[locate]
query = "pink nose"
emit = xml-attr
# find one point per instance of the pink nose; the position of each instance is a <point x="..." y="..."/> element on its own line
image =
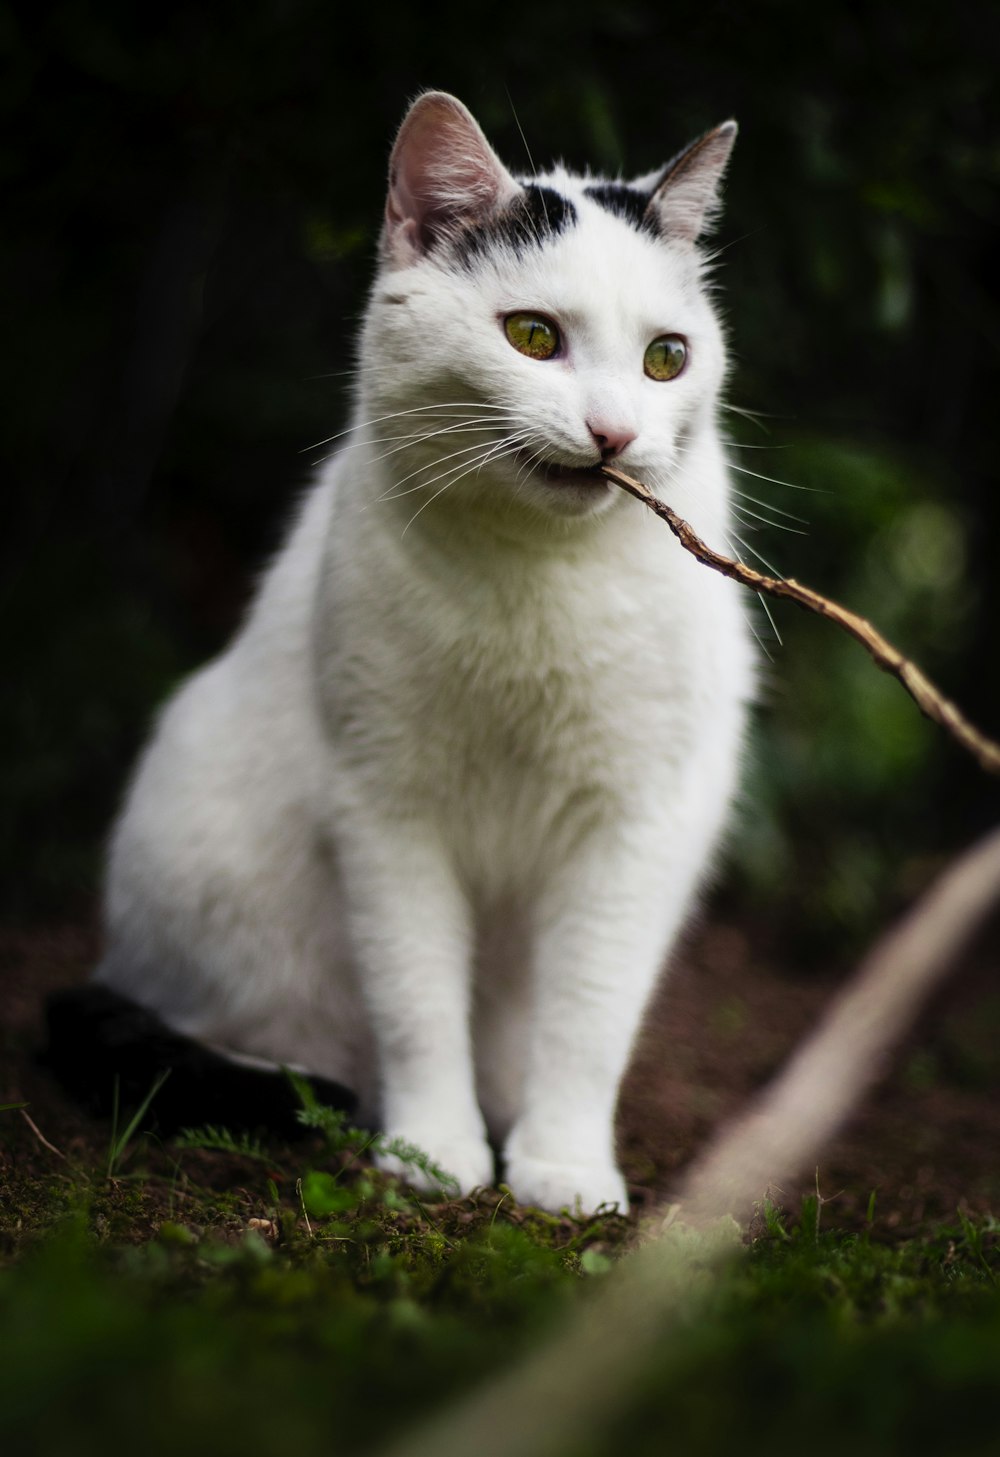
<point x="611" y="440"/>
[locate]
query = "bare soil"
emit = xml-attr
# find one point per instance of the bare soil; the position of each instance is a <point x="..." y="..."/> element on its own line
<point x="926" y="1141"/>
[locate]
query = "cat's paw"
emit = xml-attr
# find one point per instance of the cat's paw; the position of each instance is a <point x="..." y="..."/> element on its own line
<point x="578" y="1187"/>
<point x="466" y="1160"/>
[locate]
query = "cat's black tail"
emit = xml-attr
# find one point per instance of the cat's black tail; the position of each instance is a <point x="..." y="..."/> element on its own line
<point x="99" y="1040"/>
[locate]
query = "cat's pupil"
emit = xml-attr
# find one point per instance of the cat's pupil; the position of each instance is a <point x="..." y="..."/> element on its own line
<point x="532" y="334"/>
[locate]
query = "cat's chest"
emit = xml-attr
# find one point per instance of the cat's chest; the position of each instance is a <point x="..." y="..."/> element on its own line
<point x="551" y="681"/>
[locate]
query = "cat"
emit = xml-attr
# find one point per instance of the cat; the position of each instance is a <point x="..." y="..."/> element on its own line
<point x="430" y="826"/>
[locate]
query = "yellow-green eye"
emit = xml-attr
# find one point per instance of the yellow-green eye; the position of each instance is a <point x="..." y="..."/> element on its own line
<point x="532" y="334"/>
<point x="665" y="357"/>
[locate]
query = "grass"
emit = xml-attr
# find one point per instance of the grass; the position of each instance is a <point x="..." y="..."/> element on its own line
<point x="121" y="1138"/>
<point x="220" y="1295"/>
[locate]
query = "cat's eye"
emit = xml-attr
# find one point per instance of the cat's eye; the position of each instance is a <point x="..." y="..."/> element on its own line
<point x="665" y="357"/>
<point x="532" y="334"/>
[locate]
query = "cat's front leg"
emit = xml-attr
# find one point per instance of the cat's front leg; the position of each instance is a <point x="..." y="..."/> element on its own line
<point x="412" y="936"/>
<point x="604" y="929"/>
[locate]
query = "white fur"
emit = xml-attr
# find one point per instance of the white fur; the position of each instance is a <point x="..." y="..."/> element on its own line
<point x="430" y="825"/>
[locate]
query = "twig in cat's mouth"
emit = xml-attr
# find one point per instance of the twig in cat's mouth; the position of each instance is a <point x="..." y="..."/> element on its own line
<point x="931" y="702"/>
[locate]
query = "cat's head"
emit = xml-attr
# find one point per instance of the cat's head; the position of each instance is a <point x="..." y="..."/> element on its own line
<point x="522" y="331"/>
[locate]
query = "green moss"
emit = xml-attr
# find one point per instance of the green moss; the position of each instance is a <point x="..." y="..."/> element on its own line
<point x="330" y="1342"/>
<point x="275" y="1300"/>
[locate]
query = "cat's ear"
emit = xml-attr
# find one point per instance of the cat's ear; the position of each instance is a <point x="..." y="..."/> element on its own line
<point x="442" y="172"/>
<point x="685" y="194"/>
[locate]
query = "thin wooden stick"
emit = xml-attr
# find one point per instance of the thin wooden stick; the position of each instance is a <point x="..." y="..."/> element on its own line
<point x="41" y="1137"/>
<point x="931" y="702"/>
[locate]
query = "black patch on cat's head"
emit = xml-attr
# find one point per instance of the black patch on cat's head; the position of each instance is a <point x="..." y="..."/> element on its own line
<point x="535" y="216"/>
<point x="627" y="203"/>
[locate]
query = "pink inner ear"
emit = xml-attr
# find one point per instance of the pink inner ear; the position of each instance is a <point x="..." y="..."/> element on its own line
<point x="688" y="197"/>
<point x="442" y="170"/>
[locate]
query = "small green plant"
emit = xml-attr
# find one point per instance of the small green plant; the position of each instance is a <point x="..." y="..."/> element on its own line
<point x="120" y="1141"/>
<point x="973" y="1237"/>
<point x="812" y="1208"/>
<point x="343" y="1137"/>
<point x="773" y="1219"/>
<point x="213" y="1136"/>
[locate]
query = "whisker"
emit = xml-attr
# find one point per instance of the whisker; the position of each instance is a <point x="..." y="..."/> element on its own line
<point x="773" y="480"/>
<point x="762" y="559"/>
<point x="745" y="496"/>
<point x="392" y="494"/>
<point x="759" y="640"/>
<point x="415" y="437"/>
<point x="733" y="552"/>
<point x="399" y="414"/>
<point x="743" y="511"/>
<point x="513" y="442"/>
<point x="466" y="470"/>
<point x="774" y="626"/>
<point x="532" y="457"/>
<point x="419" y="439"/>
<point x="464" y="467"/>
<point x="754" y="416"/>
<point x="743" y="445"/>
<point x="524" y="139"/>
<point x="709" y="258"/>
<point x="427" y="503"/>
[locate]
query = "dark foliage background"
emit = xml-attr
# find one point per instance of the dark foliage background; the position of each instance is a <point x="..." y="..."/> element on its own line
<point x="192" y="199"/>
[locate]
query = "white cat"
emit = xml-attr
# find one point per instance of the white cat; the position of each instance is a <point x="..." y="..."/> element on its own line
<point x="430" y="825"/>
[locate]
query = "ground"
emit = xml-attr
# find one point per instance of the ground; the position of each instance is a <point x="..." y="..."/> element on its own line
<point x="925" y="1141"/>
<point x="233" y="1296"/>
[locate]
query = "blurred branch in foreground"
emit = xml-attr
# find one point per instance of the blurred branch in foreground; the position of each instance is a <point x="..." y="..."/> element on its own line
<point x="558" y="1401"/>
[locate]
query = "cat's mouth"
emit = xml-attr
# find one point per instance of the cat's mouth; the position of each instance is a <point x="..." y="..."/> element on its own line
<point x="554" y="474"/>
